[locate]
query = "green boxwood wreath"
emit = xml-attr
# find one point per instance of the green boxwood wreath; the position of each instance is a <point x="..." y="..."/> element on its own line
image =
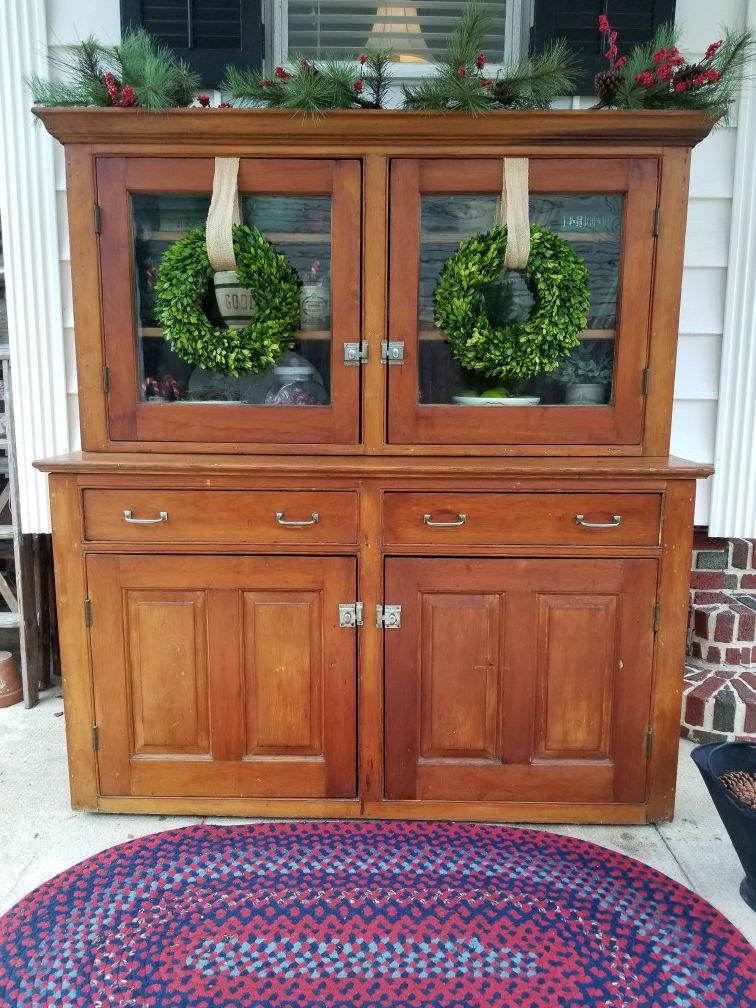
<point x="556" y="277"/>
<point x="182" y="284"/>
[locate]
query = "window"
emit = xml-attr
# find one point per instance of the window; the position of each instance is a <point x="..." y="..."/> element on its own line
<point x="417" y="32"/>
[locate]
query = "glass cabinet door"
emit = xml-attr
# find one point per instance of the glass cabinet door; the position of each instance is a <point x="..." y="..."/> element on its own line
<point x="310" y="212"/>
<point x="604" y="208"/>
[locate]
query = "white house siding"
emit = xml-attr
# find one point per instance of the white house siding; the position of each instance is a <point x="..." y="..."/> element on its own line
<point x="68" y="21"/>
<point x="706" y="251"/>
<point x="702" y="312"/>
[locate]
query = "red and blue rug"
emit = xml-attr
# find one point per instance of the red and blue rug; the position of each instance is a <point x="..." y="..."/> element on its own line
<point x="368" y="915"/>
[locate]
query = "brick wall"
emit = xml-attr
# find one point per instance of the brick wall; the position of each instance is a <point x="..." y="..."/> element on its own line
<point x="719" y="700"/>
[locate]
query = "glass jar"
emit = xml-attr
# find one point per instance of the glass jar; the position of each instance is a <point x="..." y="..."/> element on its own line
<point x="296" y="383"/>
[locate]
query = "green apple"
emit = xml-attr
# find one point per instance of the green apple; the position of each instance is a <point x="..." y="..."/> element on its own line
<point x="469" y="393"/>
<point x="495" y="393"/>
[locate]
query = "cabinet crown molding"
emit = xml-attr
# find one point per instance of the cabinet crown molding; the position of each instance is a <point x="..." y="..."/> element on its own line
<point x="373" y="129"/>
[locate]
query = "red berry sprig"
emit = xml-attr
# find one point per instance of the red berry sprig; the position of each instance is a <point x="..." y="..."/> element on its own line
<point x="120" y="97"/>
<point x="611" y="38"/>
<point x="111" y="87"/>
<point x="672" y="72"/>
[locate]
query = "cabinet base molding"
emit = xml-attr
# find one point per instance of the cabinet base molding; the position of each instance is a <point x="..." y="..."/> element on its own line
<point x="245" y="808"/>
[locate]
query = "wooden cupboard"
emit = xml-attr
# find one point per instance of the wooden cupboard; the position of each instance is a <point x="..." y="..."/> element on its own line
<point x="402" y="596"/>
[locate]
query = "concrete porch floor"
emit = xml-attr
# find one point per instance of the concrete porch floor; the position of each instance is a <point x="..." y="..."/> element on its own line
<point x="40" y="835"/>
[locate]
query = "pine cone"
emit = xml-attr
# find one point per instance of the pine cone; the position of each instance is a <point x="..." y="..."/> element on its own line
<point x="686" y="74"/>
<point x="503" y="92"/>
<point x="742" y="785"/>
<point x="606" y="83"/>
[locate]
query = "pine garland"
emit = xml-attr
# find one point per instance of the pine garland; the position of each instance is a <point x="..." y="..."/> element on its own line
<point x="461" y="83"/>
<point x="314" y="88"/>
<point x="139" y="71"/>
<point x="657" y="76"/>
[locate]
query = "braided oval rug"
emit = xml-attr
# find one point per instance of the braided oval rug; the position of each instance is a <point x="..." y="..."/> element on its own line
<point x="368" y="915"/>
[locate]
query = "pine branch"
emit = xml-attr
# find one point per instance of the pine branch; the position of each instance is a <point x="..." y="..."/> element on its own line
<point x="158" y="78"/>
<point x="535" y="81"/>
<point x="466" y="41"/>
<point x="629" y="93"/>
<point x="45" y="92"/>
<point x="709" y="85"/>
<point x="376" y="77"/>
<point x="81" y="68"/>
<point x="314" y="88"/>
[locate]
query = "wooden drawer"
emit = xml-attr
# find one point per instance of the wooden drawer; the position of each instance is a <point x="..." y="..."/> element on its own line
<point x="511" y="519"/>
<point x="221" y="516"/>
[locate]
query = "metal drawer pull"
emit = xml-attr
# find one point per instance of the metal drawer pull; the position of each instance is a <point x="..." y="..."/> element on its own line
<point x="452" y="524"/>
<point x="145" y="521"/>
<point x="580" y="520"/>
<point x="297" y="524"/>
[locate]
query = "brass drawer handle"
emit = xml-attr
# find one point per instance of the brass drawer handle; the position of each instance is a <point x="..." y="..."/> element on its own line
<point x="462" y="518"/>
<point x="145" y="521"/>
<point x="580" y="520"/>
<point x="297" y="524"/>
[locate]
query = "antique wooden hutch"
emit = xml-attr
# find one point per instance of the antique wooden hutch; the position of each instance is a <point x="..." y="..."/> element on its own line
<point x="401" y="598"/>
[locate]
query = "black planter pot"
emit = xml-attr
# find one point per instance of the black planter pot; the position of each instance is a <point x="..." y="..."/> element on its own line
<point x="739" y="820"/>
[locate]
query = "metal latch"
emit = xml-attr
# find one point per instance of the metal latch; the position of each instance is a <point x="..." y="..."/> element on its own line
<point x="392" y="352"/>
<point x="351" y="614"/>
<point x="355" y="353"/>
<point x="388" y="617"/>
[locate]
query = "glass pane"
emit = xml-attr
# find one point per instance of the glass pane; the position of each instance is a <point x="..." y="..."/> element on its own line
<point x="416" y="33"/>
<point x="300" y="228"/>
<point x="592" y="225"/>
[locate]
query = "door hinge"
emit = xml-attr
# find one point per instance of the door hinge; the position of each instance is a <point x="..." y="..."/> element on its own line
<point x="388" y="617"/>
<point x="392" y="352"/>
<point x="96" y="738"/>
<point x="644" y="381"/>
<point x="649" y="742"/>
<point x="657" y="614"/>
<point x="355" y="353"/>
<point x="87" y="612"/>
<point x="657" y="222"/>
<point x="106" y="379"/>
<point x="97" y="211"/>
<point x="351" y="614"/>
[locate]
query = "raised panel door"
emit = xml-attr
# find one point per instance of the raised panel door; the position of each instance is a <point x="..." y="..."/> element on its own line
<point x="519" y="680"/>
<point x="223" y="677"/>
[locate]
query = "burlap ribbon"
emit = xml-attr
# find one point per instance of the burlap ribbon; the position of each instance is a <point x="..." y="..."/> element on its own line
<point x="513" y="212"/>
<point x="223" y="214"/>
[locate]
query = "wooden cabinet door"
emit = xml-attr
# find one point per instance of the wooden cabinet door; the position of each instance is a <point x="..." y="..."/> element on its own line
<point x="311" y="211"/>
<point x="519" y="680"/>
<point x="604" y="208"/>
<point x="223" y="676"/>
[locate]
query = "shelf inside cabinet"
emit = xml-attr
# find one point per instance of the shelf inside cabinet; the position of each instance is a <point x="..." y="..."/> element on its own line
<point x="155" y="332"/>
<point x="272" y="236"/>
<point x="455" y="237"/>
<point x="586" y="334"/>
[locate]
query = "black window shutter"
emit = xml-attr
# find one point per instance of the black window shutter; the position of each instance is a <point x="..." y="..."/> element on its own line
<point x="208" y="34"/>
<point x="576" y="21"/>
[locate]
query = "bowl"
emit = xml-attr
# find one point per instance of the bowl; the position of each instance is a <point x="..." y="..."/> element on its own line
<point x="463" y="400"/>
